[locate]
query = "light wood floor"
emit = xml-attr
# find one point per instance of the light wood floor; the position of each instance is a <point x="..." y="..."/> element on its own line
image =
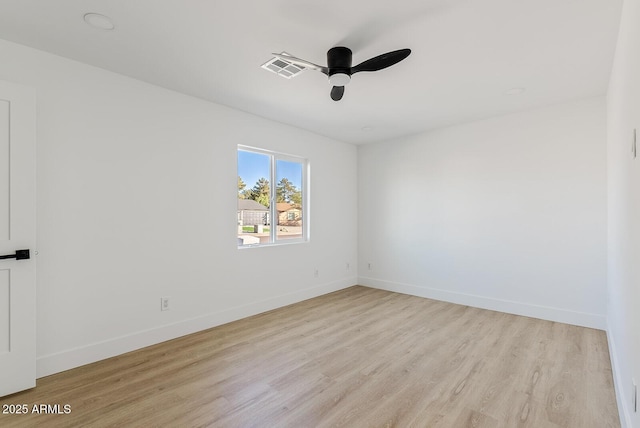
<point x="355" y="358"/>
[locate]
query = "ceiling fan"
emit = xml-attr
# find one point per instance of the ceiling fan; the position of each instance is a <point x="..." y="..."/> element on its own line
<point x="339" y="67"/>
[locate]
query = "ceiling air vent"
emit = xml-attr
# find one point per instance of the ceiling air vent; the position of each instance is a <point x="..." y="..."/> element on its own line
<point x="283" y="68"/>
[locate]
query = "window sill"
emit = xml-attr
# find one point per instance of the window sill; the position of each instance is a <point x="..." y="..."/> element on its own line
<point x="274" y="244"/>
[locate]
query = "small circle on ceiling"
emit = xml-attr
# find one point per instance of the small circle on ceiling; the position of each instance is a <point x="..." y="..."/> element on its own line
<point x="99" y="21"/>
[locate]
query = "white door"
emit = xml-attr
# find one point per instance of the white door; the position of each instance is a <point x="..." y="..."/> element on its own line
<point x="17" y="232"/>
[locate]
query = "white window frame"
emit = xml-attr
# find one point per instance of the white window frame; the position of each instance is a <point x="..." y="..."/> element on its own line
<point x="273" y="212"/>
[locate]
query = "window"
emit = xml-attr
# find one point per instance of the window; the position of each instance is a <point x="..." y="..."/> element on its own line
<point x="269" y="214"/>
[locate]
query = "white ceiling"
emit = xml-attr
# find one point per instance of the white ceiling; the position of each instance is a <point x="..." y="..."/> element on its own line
<point x="466" y="54"/>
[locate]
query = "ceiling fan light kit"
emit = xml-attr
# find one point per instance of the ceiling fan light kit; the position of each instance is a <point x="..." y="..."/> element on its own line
<point x="339" y="69"/>
<point x="339" y="79"/>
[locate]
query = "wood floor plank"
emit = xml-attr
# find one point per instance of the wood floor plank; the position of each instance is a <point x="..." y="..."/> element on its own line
<point x="356" y="357"/>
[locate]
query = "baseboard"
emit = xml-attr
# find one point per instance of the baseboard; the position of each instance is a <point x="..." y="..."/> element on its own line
<point x="517" y="308"/>
<point x="623" y="409"/>
<point x="54" y="363"/>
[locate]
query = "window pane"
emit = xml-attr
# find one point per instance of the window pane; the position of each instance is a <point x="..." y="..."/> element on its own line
<point x="289" y="199"/>
<point x="270" y="197"/>
<point x="253" y="198"/>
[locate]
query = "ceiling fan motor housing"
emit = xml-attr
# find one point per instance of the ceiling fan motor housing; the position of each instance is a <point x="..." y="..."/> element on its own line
<point x="339" y="64"/>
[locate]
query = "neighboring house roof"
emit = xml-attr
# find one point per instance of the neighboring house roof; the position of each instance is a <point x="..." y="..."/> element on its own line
<point x="284" y="206"/>
<point x="250" y="205"/>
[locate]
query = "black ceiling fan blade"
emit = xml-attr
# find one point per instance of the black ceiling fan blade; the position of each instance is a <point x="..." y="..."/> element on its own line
<point x="382" y="61"/>
<point x="337" y="92"/>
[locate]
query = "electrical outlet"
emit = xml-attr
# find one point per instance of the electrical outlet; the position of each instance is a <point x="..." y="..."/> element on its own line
<point x="164" y="304"/>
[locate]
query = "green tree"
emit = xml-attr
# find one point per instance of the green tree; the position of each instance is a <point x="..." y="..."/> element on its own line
<point x="261" y="192"/>
<point x="296" y="198"/>
<point x="242" y="193"/>
<point x="286" y="191"/>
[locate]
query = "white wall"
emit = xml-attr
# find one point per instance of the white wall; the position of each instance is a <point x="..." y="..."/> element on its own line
<point x="506" y="214"/>
<point x="623" y="115"/>
<point x="137" y="200"/>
